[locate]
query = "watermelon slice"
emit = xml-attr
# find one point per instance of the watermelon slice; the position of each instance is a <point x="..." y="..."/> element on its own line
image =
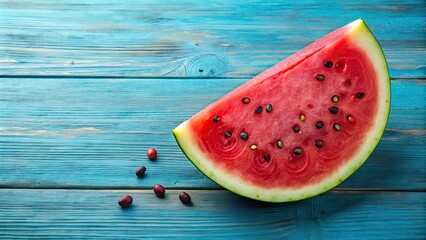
<point x="299" y="128"/>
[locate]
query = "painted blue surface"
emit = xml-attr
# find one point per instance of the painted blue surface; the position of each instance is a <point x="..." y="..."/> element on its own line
<point x="177" y="38"/>
<point x="87" y="87"/>
<point x="94" y="125"/>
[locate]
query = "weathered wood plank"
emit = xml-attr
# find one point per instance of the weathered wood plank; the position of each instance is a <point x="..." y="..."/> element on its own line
<point x="193" y="38"/>
<point x="88" y="214"/>
<point x="93" y="133"/>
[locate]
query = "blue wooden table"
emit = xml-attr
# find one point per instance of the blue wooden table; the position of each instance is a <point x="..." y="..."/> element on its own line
<point x="86" y="87"/>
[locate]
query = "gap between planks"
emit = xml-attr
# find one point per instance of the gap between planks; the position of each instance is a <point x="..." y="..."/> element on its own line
<point x="85" y="77"/>
<point x="109" y="188"/>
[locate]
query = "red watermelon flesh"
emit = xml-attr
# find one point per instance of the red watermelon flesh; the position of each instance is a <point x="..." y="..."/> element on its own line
<point x="299" y="128"/>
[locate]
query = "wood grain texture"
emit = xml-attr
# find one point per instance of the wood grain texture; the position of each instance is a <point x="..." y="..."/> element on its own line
<point x="87" y="86"/>
<point x="193" y="38"/>
<point x="93" y="133"/>
<point x="87" y="214"/>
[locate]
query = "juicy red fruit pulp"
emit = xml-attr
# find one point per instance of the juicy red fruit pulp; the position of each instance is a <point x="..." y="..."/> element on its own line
<point x="284" y="145"/>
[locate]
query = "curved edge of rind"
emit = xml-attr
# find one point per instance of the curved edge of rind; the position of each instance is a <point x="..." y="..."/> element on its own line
<point x="183" y="133"/>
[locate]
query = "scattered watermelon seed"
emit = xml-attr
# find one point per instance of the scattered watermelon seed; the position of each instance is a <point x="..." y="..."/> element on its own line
<point x="302" y="117"/>
<point x="296" y="128"/>
<point x="268" y="108"/>
<point x="216" y="119"/>
<point x="151" y="153"/>
<point x="184" y="198"/>
<point x="258" y="110"/>
<point x="267" y="157"/>
<point x="159" y="190"/>
<point x="297" y="151"/>
<point x="125" y="201"/>
<point x="244" y="136"/>
<point x="140" y="171"/>
<point x="328" y="64"/>
<point x="246" y="100"/>
<point x="335" y="99"/>
<point x="334" y="110"/>
<point x="280" y="144"/>
<point x="253" y="147"/>
<point x="360" y="95"/>
<point x="319" y="124"/>
<point x="227" y="134"/>
<point x="320" y="77"/>
<point x="336" y="127"/>
<point x="318" y="143"/>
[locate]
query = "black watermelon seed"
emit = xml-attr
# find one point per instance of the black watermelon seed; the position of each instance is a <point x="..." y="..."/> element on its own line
<point x="297" y="151"/>
<point x="336" y="127"/>
<point x="227" y="134"/>
<point x="268" y="108"/>
<point x="349" y="118"/>
<point x="244" y="136"/>
<point x="319" y="124"/>
<point x="246" y="100"/>
<point x="267" y="157"/>
<point x="318" y="143"/>
<point x="334" y="110"/>
<point x="320" y="77"/>
<point x="258" y="110"/>
<point x="360" y="95"/>
<point x="296" y="128"/>
<point x="328" y="64"/>
<point x="216" y="119"/>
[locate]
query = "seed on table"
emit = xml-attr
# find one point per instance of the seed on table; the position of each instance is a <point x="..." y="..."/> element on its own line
<point x="159" y="190"/>
<point x="184" y="198"/>
<point x="151" y="153"/>
<point x="125" y="201"/>
<point x="140" y="171"/>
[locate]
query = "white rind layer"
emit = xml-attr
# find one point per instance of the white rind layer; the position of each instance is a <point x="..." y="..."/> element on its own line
<point x="365" y="40"/>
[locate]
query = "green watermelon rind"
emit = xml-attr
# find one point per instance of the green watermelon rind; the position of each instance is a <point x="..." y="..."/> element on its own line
<point x="363" y="38"/>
